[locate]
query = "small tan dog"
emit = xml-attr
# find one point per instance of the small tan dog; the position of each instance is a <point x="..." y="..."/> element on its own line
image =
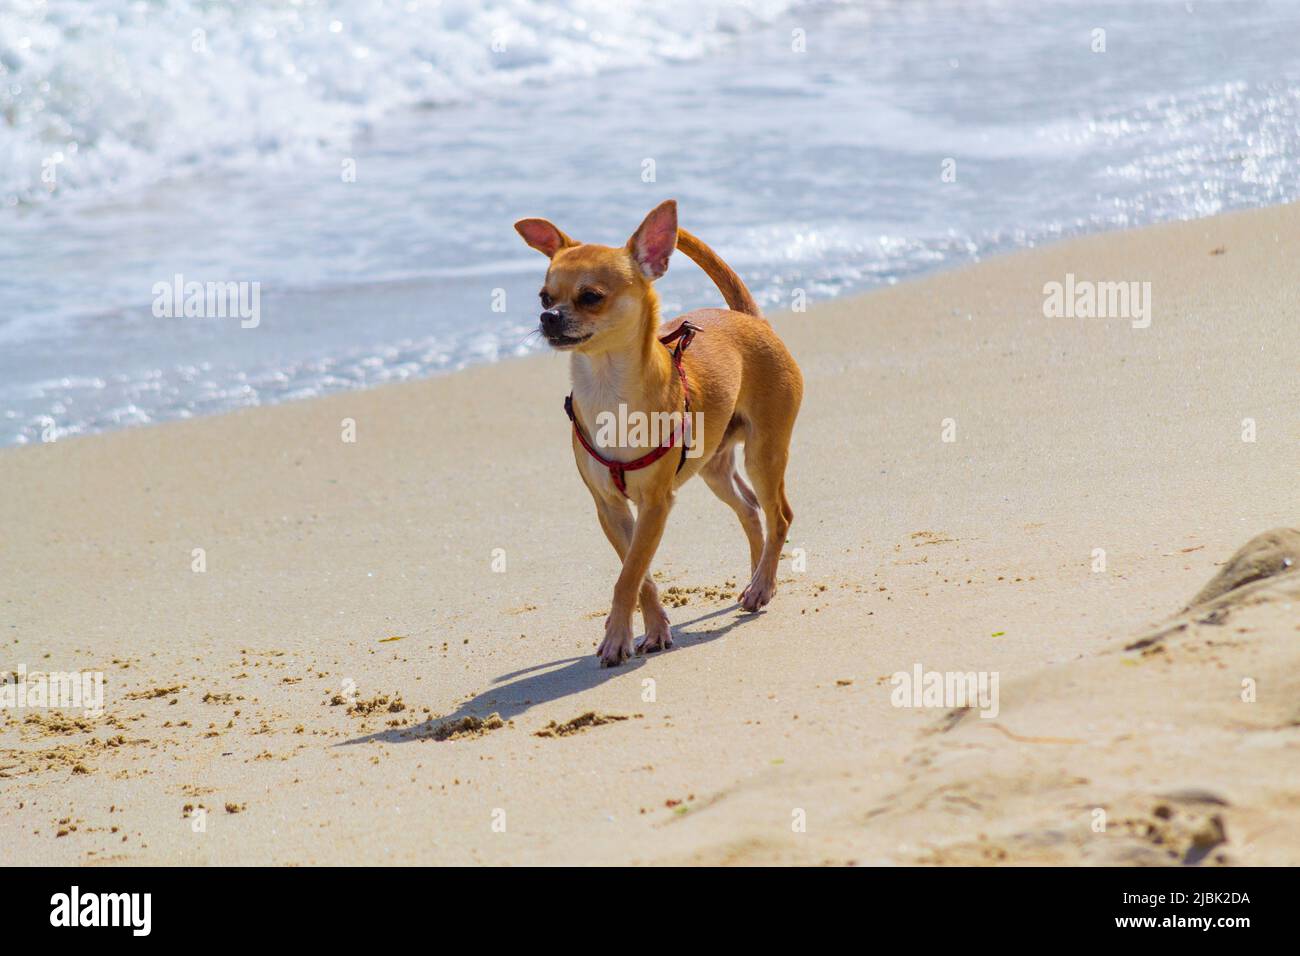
<point x="739" y="381"/>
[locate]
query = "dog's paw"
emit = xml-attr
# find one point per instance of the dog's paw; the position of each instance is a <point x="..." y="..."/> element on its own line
<point x="617" y="645"/>
<point x="658" y="637"/>
<point x="759" y="592"/>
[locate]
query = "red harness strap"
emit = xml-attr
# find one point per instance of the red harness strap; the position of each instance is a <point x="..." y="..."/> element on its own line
<point x="682" y="335"/>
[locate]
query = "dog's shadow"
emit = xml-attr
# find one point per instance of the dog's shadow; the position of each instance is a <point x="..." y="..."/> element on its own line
<point x="515" y="693"/>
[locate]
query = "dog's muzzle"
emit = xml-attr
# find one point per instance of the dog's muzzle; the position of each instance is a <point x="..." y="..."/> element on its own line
<point x="553" y="326"/>
<point x="552" y="323"/>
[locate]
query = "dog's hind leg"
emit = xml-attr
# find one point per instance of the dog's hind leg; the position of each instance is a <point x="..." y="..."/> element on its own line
<point x="724" y="480"/>
<point x="618" y="524"/>
<point x="766" y="455"/>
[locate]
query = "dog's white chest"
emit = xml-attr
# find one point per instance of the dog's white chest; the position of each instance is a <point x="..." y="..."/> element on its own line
<point x="603" y="406"/>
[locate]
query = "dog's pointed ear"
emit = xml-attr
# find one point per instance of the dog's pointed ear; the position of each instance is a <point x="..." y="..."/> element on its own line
<point x="655" y="239"/>
<point x="543" y="236"/>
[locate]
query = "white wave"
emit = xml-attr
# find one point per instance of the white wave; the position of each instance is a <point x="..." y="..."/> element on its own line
<point x="97" y="95"/>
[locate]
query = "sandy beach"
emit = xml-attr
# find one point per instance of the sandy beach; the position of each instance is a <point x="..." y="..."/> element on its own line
<point x="309" y="688"/>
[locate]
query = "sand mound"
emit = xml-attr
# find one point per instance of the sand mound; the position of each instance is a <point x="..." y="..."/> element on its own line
<point x="1261" y="571"/>
<point x="578" y="724"/>
<point x="1094" y="761"/>
<point x="466" y="727"/>
<point x="1262" y="557"/>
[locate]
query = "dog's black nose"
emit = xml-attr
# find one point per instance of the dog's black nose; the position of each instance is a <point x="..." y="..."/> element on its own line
<point x="552" y="322"/>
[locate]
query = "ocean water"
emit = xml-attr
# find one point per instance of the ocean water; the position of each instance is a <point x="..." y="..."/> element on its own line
<point x="359" y="165"/>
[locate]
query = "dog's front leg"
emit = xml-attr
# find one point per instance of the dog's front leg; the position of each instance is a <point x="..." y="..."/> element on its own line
<point x="652" y="516"/>
<point x="616" y="519"/>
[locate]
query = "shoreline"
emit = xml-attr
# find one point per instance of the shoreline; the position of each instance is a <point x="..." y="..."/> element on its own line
<point x="385" y="288"/>
<point x="369" y="564"/>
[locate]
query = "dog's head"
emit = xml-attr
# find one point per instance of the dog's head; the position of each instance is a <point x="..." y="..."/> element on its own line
<point x="595" y="297"/>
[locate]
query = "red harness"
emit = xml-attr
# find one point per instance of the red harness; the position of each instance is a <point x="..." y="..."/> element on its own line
<point x="682" y="335"/>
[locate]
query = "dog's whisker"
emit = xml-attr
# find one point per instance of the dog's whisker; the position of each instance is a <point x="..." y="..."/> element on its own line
<point x="528" y="336"/>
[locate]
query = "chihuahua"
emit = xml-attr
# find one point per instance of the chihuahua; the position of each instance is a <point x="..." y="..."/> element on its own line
<point x="739" y="382"/>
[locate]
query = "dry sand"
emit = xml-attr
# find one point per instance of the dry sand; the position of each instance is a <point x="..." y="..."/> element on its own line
<point x="231" y="690"/>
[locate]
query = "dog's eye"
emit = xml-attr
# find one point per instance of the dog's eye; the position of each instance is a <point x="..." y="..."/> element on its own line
<point x="590" y="298"/>
<point x="547" y="301"/>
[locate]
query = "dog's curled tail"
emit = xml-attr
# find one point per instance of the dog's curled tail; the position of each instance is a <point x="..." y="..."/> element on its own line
<point x="729" y="284"/>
